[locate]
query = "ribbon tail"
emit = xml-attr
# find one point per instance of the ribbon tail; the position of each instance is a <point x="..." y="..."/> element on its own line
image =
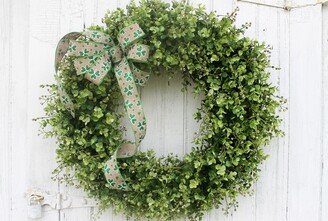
<point x="140" y="76"/>
<point x="113" y="175"/>
<point x="64" y="98"/>
<point x="136" y="115"/>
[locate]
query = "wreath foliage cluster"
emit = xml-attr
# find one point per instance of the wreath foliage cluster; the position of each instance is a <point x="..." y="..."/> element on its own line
<point x="238" y="113"/>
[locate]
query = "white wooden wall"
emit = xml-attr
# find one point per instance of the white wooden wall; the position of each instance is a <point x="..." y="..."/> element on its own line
<point x="294" y="181"/>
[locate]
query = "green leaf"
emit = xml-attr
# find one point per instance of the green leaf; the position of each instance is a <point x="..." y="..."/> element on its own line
<point x="193" y="184"/>
<point x="220" y="169"/>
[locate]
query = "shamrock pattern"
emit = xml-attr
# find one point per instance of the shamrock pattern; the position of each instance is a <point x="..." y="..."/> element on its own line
<point x="85" y="69"/>
<point x="128" y="104"/>
<point x="128" y="76"/>
<point x="97" y="53"/>
<point x="84" y="53"/>
<point x="106" y="66"/>
<point x="93" y="59"/>
<point x="64" y="99"/>
<point x="95" y="34"/>
<point x="128" y="90"/>
<point x="118" y="71"/>
<point x="138" y="33"/>
<point x="113" y="176"/>
<point x="140" y="51"/>
<point x="139" y="81"/>
<point x="95" y="56"/>
<point x="94" y="74"/>
<point x="142" y="125"/>
<point x="107" y="47"/>
<point x="111" y="182"/>
<point x="126" y="42"/>
<point x="122" y="186"/>
<point x="133" y="118"/>
<point x="71" y="48"/>
<point x="106" y="168"/>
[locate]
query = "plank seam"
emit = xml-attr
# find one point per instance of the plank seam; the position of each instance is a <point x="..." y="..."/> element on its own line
<point x="323" y="45"/>
<point x="10" y="106"/>
<point x="288" y="104"/>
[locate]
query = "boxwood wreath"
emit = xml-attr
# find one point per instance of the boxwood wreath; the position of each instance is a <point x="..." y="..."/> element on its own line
<point x="238" y="115"/>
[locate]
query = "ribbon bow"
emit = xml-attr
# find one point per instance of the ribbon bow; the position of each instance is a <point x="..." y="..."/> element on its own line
<point x="94" y="56"/>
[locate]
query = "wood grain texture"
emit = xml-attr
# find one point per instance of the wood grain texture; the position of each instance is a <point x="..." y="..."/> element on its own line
<point x="324" y="181"/>
<point x="43" y="35"/>
<point x="305" y="98"/>
<point x="5" y="110"/>
<point x="19" y="128"/>
<point x="294" y="181"/>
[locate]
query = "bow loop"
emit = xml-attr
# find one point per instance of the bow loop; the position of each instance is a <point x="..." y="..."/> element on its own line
<point x="92" y="60"/>
<point x="96" y="55"/>
<point x="99" y="37"/>
<point x="129" y="35"/>
<point x="85" y="49"/>
<point x="138" y="53"/>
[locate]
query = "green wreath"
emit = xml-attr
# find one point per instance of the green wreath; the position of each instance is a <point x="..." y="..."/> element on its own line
<point x="238" y="115"/>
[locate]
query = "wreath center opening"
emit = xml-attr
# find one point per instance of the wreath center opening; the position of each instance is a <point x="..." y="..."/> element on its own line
<point x="169" y="111"/>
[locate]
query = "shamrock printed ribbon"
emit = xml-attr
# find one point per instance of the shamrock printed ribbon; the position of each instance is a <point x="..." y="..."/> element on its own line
<point x="94" y="55"/>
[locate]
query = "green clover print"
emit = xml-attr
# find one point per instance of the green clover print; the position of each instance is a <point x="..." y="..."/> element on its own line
<point x="95" y="34"/>
<point x="106" y="66"/>
<point x="72" y="48"/>
<point x="94" y="74"/>
<point x="116" y="168"/>
<point x="111" y="182"/>
<point x="106" y="169"/>
<point x="85" y="52"/>
<point x="107" y="47"/>
<point x="122" y="186"/>
<point x="140" y="51"/>
<point x="126" y="62"/>
<point x="139" y="81"/>
<point x="64" y="99"/>
<point x="93" y="59"/>
<point x="137" y="33"/>
<point x="142" y="125"/>
<point x="98" y="53"/>
<point x="85" y="69"/>
<point x="133" y="118"/>
<point x="126" y="41"/>
<point x="128" y="104"/>
<point x="128" y="90"/>
<point x="118" y="72"/>
<point x="128" y="76"/>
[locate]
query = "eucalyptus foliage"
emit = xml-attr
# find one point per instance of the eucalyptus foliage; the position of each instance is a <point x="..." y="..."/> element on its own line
<point x="238" y="114"/>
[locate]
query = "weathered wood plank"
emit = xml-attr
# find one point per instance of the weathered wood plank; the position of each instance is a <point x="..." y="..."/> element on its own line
<point x="19" y="73"/>
<point x="324" y="181"/>
<point x="272" y="179"/>
<point x="5" y="111"/>
<point x="43" y="36"/>
<point x="304" y="173"/>
<point x="283" y="145"/>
